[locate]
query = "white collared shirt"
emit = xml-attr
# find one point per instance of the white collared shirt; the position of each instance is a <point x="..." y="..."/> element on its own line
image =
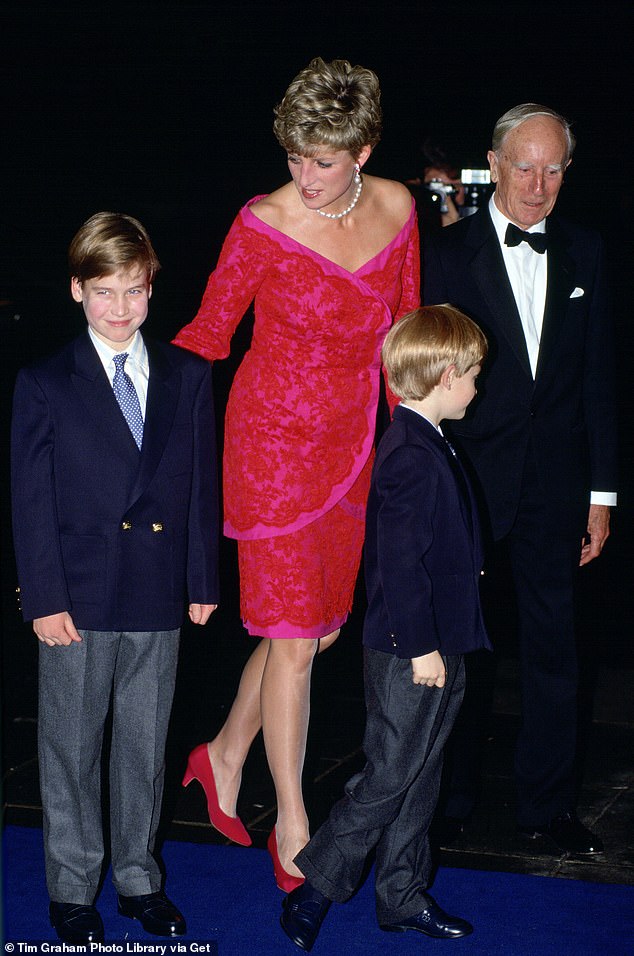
<point x="528" y="273"/>
<point x="136" y="365"/>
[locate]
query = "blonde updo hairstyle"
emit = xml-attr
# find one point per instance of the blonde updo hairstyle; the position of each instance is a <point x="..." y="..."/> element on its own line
<point x="420" y="346"/>
<point x="333" y="105"/>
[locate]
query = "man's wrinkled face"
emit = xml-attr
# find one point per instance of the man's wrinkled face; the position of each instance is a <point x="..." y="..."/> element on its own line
<point x="528" y="170"/>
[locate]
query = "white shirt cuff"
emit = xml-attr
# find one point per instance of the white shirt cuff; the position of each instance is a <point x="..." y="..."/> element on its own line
<point x="603" y="498"/>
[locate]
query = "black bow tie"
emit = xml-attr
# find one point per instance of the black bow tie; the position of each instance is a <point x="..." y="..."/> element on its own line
<point x="538" y="241"/>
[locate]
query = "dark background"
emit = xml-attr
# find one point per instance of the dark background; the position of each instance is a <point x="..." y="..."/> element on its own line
<point x="164" y="110"/>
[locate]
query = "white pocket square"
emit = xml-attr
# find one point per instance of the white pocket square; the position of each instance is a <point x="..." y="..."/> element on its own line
<point x="576" y="293"/>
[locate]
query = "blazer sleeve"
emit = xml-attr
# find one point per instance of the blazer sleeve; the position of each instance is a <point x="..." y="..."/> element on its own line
<point x="203" y="524"/>
<point x="41" y="578"/>
<point x="599" y="392"/>
<point x="407" y="489"/>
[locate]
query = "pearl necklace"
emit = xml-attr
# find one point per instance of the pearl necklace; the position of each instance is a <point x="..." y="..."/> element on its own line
<point x="340" y="215"/>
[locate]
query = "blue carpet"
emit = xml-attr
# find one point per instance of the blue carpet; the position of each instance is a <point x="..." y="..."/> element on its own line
<point x="228" y="894"/>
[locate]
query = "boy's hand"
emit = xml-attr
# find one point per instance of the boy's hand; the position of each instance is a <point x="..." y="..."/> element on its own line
<point x="429" y="669"/>
<point x="200" y="613"/>
<point x="56" y="630"/>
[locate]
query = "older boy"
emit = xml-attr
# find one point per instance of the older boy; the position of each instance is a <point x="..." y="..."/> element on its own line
<point x="422" y="563"/>
<point x="115" y="527"/>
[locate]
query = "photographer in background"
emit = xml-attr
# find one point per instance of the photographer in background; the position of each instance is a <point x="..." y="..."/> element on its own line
<point x="439" y="192"/>
<point x="445" y="193"/>
<point x="446" y="190"/>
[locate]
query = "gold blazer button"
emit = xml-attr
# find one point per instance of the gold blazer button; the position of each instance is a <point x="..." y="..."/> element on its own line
<point x="126" y="526"/>
<point x="157" y="526"/>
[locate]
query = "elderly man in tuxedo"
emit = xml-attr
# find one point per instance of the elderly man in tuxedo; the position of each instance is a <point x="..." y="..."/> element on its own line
<point x="541" y="440"/>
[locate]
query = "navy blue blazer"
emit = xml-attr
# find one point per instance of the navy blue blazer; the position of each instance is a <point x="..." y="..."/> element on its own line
<point x="422" y="554"/>
<point x="568" y="411"/>
<point x="121" y="539"/>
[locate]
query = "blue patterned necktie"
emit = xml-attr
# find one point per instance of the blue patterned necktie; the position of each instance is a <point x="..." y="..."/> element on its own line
<point x="128" y="400"/>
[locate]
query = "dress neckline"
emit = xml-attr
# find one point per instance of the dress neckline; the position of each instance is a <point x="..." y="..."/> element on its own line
<point x="267" y="228"/>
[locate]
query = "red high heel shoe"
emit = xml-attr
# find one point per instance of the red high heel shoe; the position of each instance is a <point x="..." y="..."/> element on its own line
<point x="284" y="880"/>
<point x="199" y="768"/>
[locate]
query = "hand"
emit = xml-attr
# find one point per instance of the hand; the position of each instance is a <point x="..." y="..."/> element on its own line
<point x="56" y="630"/>
<point x="452" y="215"/>
<point x="200" y="613"/>
<point x="598" y="532"/>
<point x="429" y="669"/>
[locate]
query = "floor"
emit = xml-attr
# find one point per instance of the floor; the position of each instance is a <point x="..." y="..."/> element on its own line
<point x="211" y="662"/>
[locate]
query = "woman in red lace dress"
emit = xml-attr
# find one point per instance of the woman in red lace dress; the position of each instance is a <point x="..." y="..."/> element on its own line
<point x="330" y="260"/>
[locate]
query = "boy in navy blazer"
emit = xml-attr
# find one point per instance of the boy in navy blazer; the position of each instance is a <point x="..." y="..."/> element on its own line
<point x="116" y="527"/>
<point x="422" y="561"/>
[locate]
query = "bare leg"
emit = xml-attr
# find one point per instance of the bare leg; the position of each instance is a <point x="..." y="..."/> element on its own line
<point x="229" y="749"/>
<point x="285" y="706"/>
<point x="327" y="641"/>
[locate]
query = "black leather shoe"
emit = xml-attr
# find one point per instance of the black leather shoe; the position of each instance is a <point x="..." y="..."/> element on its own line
<point x="156" y="914"/>
<point x="76" y="922"/>
<point x="567" y="834"/>
<point x="432" y="921"/>
<point x="303" y="912"/>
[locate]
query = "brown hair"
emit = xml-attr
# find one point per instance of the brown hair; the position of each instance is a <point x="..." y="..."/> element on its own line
<point x="420" y="346"/>
<point x="109" y="242"/>
<point x="335" y="105"/>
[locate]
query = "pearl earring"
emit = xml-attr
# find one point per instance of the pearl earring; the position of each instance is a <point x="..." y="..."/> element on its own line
<point x="356" y="178"/>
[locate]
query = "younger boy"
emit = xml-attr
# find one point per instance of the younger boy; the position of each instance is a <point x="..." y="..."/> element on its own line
<point x="422" y="564"/>
<point x="115" y="527"/>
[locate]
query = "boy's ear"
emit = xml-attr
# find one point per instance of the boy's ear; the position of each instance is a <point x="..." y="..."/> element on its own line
<point x="75" y="289"/>
<point x="448" y="376"/>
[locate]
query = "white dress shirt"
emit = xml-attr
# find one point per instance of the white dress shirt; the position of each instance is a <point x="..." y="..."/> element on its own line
<point x="136" y="365"/>
<point x="528" y="274"/>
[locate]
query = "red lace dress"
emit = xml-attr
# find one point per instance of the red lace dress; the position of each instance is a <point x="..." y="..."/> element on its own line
<point x="300" y="418"/>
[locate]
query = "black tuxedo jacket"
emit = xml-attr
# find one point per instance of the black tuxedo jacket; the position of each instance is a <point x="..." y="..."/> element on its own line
<point x="121" y="539"/>
<point x="568" y="412"/>
<point x="422" y="553"/>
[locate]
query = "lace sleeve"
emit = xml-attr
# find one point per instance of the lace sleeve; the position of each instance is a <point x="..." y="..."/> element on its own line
<point x="230" y="290"/>
<point x="410" y="275"/>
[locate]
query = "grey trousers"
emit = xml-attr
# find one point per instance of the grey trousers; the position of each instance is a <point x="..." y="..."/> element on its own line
<point x="389" y="805"/>
<point x="137" y="672"/>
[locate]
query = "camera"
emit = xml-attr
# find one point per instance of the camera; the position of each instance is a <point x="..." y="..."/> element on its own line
<point x="477" y="189"/>
<point x="440" y="191"/>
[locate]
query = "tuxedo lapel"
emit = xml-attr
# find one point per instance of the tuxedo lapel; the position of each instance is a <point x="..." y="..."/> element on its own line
<point x="162" y="400"/>
<point x="489" y="274"/>
<point x="95" y="391"/>
<point x="560" y="284"/>
<point x="426" y="435"/>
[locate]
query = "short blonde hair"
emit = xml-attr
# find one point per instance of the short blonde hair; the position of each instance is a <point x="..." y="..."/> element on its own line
<point x="333" y="105"/>
<point x="420" y="346"/>
<point x="109" y="242"/>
